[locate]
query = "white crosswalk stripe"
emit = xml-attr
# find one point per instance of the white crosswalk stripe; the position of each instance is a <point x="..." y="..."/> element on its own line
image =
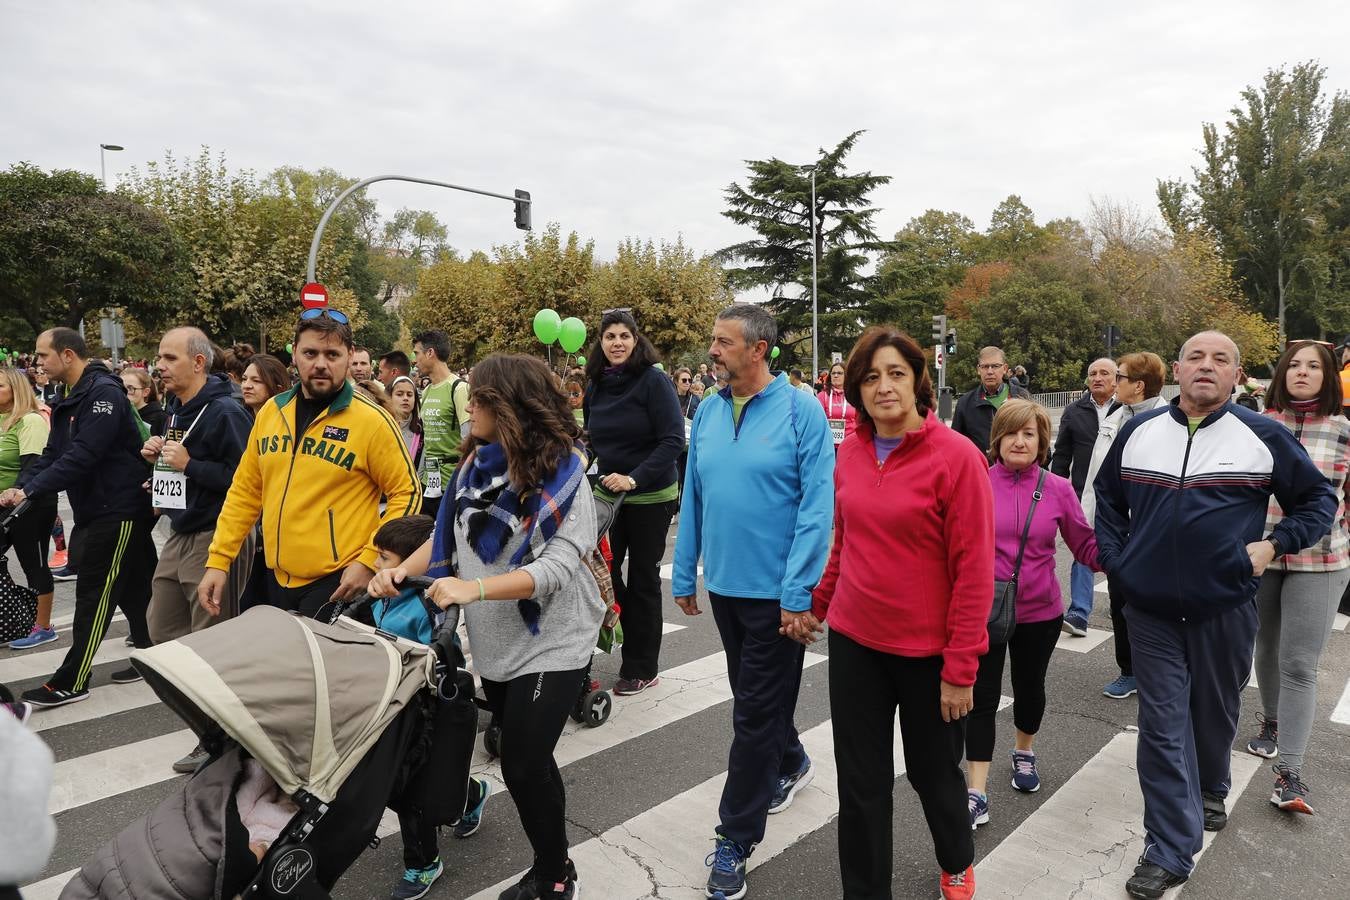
<point x="1083" y="838"/>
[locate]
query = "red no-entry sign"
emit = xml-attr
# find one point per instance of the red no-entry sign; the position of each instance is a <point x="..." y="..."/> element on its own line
<point x="314" y="295"/>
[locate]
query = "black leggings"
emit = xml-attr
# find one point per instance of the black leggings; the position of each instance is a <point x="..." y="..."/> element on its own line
<point x="30" y="536"/>
<point x="532" y="710"/>
<point x="1031" y="647"/>
<point x="639" y="536"/>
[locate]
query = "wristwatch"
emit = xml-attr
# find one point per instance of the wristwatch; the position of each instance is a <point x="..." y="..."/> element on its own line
<point x="1275" y="542"/>
<point x="632" y="483"/>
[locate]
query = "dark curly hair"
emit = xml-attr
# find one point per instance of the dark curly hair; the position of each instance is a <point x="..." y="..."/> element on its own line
<point x="644" y="355"/>
<point x="860" y="362"/>
<point x="535" y="426"/>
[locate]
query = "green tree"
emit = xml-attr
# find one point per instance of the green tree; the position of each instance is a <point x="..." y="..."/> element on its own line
<point x="1013" y="234"/>
<point x="776" y="204"/>
<point x="929" y="257"/>
<point x="1273" y="187"/>
<point x="69" y="250"/>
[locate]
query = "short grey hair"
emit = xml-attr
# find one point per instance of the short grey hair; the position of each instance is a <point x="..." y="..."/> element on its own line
<point x="198" y="344"/>
<point x="757" y="323"/>
<point x="1237" y="351"/>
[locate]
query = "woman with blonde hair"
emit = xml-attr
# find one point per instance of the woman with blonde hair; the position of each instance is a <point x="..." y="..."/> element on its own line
<point x="23" y="437"/>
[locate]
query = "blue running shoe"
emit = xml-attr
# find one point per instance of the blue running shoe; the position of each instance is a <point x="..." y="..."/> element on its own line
<point x="788" y="785"/>
<point x="36" y="638"/>
<point x="473" y="813"/>
<point x="416" y="883"/>
<point x="1025" y="777"/>
<point x="726" y="881"/>
<point x="1121" y="688"/>
<point x="978" y="804"/>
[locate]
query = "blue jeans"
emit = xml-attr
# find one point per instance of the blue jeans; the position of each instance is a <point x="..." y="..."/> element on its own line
<point x="1080" y="592"/>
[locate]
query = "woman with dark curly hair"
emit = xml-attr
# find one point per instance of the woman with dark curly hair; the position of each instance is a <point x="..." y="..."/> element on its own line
<point x="509" y="547"/>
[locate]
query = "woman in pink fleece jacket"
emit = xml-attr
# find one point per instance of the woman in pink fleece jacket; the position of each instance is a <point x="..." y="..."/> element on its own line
<point x="1019" y="445"/>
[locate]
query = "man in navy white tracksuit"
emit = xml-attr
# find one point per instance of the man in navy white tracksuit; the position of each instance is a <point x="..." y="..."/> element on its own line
<point x="1181" y="505"/>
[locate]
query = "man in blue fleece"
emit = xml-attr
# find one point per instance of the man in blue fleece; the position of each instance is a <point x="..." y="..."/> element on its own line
<point x="1181" y="508"/>
<point x="757" y="509"/>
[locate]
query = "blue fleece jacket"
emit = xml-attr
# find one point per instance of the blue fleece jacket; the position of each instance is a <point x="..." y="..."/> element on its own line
<point x="758" y="498"/>
<point x="1175" y="511"/>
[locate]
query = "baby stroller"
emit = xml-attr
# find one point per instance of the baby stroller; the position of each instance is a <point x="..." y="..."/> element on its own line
<point x="341" y="715"/>
<point x="594" y="704"/>
<point x="18" y="603"/>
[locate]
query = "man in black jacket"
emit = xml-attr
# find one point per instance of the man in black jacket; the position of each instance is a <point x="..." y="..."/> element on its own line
<point x="93" y="454"/>
<point x="974" y="416"/>
<point x="1078" y="428"/>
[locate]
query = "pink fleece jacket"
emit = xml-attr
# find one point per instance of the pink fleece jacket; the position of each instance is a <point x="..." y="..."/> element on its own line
<point x="1038" y="599"/>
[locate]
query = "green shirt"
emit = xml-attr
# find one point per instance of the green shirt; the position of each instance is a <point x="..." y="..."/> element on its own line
<point x="443" y="413"/>
<point x="1193" y="422"/>
<point x="26" y="437"/>
<point x="737" y="407"/>
<point x="997" y="399"/>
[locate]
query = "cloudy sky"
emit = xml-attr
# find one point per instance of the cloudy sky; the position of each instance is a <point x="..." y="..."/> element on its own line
<point x="629" y="119"/>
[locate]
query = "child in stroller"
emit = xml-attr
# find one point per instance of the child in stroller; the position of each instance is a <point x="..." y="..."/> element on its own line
<point x="342" y="716"/>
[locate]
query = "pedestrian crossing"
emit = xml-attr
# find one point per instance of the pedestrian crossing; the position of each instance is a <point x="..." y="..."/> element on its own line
<point x="643" y="791"/>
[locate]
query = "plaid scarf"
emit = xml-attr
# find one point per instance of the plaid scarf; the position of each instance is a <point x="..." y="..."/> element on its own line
<point x="491" y="512"/>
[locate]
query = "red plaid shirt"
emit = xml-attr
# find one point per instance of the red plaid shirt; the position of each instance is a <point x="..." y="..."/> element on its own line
<point x="1327" y="440"/>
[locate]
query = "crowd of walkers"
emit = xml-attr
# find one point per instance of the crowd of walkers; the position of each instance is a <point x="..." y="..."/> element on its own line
<point x="1221" y="532"/>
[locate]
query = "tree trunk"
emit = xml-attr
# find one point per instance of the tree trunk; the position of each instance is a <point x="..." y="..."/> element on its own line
<point x="1279" y="289"/>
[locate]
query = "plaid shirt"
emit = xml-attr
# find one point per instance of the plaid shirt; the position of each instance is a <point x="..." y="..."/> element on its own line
<point x="1327" y="440"/>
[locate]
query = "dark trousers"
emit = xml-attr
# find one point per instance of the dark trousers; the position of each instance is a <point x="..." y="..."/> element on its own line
<point x="431" y="506"/>
<point x="1030" y="648"/>
<point x="118" y="561"/>
<point x="765" y="671"/>
<point x="1121" y="628"/>
<point x="639" y="535"/>
<point x="867" y="687"/>
<point x="311" y="600"/>
<point x="30" y="535"/>
<point x="532" y="710"/>
<point x="1190" y="678"/>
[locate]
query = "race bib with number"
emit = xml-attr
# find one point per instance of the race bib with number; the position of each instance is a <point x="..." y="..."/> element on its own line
<point x="837" y="431"/>
<point x="432" y="488"/>
<point x="168" y="488"/>
<point x="688" y="430"/>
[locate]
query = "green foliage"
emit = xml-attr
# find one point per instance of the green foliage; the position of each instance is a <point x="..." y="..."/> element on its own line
<point x="776" y="205"/>
<point x="69" y="250"/>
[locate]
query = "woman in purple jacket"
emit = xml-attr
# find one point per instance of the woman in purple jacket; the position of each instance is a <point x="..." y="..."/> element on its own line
<point x="1019" y="446"/>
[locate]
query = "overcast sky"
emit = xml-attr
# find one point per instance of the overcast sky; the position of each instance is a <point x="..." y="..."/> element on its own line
<point x="629" y="119"/>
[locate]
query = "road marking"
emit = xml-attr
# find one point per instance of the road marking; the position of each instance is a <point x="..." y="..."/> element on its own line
<point x="44" y="662"/>
<point x="661" y="852"/>
<point x="1341" y="714"/>
<point x="1342" y="620"/>
<point x="1057" y="851"/>
<point x="107" y="773"/>
<point x="1095" y="638"/>
<point x="64" y="621"/>
<point x="666" y="628"/>
<point x="1100" y="587"/>
<point x="667" y="573"/>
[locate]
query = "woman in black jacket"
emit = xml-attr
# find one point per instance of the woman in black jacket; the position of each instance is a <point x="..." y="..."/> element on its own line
<point x="637" y="433"/>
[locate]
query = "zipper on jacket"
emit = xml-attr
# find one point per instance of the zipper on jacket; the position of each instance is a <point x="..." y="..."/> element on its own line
<point x="295" y="452"/>
<point x="736" y="423"/>
<point x="1176" y="510"/>
<point x="1298" y="427"/>
<point x="332" y="536"/>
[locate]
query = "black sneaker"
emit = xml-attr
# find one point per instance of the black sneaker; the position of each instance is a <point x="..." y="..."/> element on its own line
<point x="47" y="696"/>
<point x="1291" y="794"/>
<point x="1266" y="744"/>
<point x="1216" y="814"/>
<point x="65" y="573"/>
<point x="533" y="886"/>
<point x="126" y="676"/>
<point x="1151" y="881"/>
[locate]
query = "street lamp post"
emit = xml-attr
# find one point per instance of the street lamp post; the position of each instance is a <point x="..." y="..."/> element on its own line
<point x="815" y="339"/>
<point x="103" y="162"/>
<point x="521" y="199"/>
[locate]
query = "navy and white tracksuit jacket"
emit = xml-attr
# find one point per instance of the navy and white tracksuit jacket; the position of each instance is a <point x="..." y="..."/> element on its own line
<point x="1175" y="511"/>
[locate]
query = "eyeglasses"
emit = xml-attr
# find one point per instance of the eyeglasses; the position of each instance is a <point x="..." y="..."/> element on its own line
<point x="336" y="315"/>
<point x="684" y="381"/>
<point x="1121" y="376"/>
<point x="990" y="367"/>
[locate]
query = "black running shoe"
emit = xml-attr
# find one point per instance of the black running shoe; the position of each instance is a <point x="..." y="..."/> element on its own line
<point x="1266" y="743"/>
<point x="1216" y="813"/>
<point x="1291" y="794"/>
<point x="1150" y="881"/>
<point x="48" y="696"/>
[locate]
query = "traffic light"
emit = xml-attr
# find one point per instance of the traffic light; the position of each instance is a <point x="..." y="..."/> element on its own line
<point x="950" y="345"/>
<point x="523" y="210"/>
<point x="939" y="329"/>
<point x="1113" y="337"/>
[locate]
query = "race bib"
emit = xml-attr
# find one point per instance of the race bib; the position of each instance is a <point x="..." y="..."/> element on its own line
<point x="837" y="431"/>
<point x="432" y="488"/>
<point x="168" y="488"/>
<point x="688" y="429"/>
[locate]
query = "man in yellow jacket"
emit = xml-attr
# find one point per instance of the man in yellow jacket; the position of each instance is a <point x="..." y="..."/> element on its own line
<point x="320" y="457"/>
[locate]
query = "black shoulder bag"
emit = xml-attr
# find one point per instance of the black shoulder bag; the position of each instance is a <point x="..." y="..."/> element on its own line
<point x="1003" y="614"/>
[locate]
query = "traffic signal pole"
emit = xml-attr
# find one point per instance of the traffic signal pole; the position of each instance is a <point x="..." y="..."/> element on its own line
<point x="521" y="199"/>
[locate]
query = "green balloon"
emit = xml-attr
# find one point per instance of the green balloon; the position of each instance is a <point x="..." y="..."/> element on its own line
<point x="581" y="360"/>
<point x="289" y="349"/>
<point x="773" y="354"/>
<point x="661" y="367"/>
<point x="571" y="334"/>
<point x="547" y="324"/>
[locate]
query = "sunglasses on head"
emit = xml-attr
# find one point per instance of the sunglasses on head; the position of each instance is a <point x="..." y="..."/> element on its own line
<point x="336" y="315"/>
<point x="1294" y="342"/>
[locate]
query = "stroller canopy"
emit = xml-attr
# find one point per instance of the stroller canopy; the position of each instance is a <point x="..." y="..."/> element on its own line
<point x="305" y="699"/>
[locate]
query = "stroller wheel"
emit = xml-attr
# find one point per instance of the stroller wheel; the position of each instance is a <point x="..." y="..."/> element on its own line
<point x="596" y="707"/>
<point x="492" y="741"/>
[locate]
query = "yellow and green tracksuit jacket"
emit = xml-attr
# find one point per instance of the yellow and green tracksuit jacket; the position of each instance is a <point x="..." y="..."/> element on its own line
<point x="319" y="492"/>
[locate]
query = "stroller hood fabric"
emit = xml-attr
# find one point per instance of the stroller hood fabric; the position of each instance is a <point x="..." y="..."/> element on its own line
<point x="307" y="700"/>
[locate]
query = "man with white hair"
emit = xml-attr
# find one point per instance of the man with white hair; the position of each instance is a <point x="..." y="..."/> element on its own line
<point x="1181" y="506"/>
<point x="1078" y="427"/>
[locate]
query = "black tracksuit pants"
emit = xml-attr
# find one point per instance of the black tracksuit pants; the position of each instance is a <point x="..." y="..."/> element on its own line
<point x="1121" y="639"/>
<point x="118" y="561"/>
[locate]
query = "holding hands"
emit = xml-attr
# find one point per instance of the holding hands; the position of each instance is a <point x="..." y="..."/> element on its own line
<point x="803" y="627"/>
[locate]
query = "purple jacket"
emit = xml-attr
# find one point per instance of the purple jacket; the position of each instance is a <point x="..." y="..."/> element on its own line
<point x="1038" y="599"/>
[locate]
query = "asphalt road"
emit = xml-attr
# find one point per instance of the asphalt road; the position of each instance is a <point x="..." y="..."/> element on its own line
<point x="642" y="791"/>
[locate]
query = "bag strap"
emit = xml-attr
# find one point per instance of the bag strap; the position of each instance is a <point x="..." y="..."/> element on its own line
<point x="1026" y="529"/>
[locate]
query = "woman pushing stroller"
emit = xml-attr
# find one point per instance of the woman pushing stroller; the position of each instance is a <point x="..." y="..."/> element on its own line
<point x="510" y="549"/>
